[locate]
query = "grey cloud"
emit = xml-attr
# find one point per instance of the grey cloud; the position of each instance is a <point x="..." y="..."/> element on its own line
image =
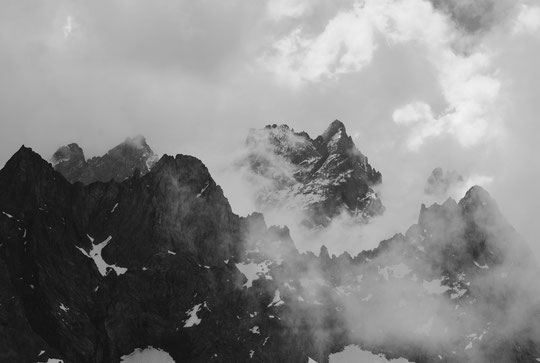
<point x="475" y="16"/>
<point x="185" y="75"/>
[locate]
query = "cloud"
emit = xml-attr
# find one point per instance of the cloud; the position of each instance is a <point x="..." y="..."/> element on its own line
<point x="528" y="20"/>
<point x="188" y="76"/>
<point x="345" y="45"/>
<point x="477" y="16"/>
<point x="471" y="91"/>
<point x="280" y="9"/>
<point x="468" y="82"/>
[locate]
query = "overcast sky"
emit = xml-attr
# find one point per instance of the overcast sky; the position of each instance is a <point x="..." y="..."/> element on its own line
<point x="418" y="83"/>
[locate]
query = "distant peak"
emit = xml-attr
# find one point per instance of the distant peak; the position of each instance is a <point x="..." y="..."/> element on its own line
<point x="180" y="164"/>
<point x="24" y="153"/>
<point x="476" y="196"/>
<point x="335" y="127"/>
<point x="138" y="141"/>
<point x="439" y="183"/>
<point x="68" y="153"/>
<point x="276" y="126"/>
<point x="26" y="161"/>
<point x="323" y="253"/>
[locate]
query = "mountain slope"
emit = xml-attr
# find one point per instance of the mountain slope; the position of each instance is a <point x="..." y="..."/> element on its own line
<point x="322" y="177"/>
<point x="92" y="272"/>
<point x="107" y="268"/>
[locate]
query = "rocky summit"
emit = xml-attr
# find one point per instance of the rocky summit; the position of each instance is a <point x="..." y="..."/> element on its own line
<point x="322" y="177"/>
<point x="132" y="156"/>
<point x="439" y="183"/>
<point x="93" y="273"/>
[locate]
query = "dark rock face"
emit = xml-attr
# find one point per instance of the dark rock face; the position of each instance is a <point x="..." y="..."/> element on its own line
<point x="322" y="177"/>
<point x="132" y="156"/>
<point x="89" y="273"/>
<point x="92" y="272"/>
<point x="439" y="183"/>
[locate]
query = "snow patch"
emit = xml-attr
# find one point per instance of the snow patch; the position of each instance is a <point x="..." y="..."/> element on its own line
<point x="95" y="254"/>
<point x="482" y="267"/>
<point x="253" y="271"/>
<point x="203" y="189"/>
<point x="114" y="208"/>
<point x="353" y="353"/>
<point x="193" y="319"/>
<point x="7" y="215"/>
<point x="277" y="300"/>
<point x="147" y="355"/>
<point x="458" y="293"/>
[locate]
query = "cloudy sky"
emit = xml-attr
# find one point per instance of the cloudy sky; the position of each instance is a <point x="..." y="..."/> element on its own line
<point x="418" y="83"/>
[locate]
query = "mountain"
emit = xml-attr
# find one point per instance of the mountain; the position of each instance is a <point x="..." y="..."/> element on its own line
<point x="322" y="177"/>
<point x="91" y="273"/>
<point x="440" y="183"/>
<point x="132" y="156"/>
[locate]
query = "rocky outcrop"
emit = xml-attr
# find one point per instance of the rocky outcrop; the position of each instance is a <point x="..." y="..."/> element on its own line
<point x="322" y="177"/>
<point x="440" y="183"/>
<point x="132" y="156"/>
<point x="97" y="271"/>
<point x="91" y="272"/>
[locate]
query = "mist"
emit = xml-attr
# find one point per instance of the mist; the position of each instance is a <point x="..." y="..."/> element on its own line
<point x="419" y="84"/>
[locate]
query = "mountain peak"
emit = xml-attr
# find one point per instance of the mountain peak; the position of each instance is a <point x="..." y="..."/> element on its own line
<point x="25" y="158"/>
<point x="325" y="175"/>
<point x="119" y="163"/>
<point x="478" y="203"/>
<point x="335" y="127"/>
<point x="138" y="141"/>
<point x="24" y="154"/>
<point x="477" y="194"/>
<point x="72" y="154"/>
<point x="180" y="163"/>
<point x="440" y="183"/>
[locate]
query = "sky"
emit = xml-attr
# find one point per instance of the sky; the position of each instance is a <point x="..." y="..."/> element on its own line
<point x="418" y="84"/>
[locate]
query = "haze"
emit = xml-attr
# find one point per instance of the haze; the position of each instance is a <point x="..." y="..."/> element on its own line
<point x="418" y="83"/>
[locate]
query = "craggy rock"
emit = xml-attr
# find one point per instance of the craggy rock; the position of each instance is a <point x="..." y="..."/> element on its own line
<point x="322" y="177"/>
<point x="89" y="273"/>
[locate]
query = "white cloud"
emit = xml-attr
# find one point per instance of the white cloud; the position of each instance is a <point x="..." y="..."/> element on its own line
<point x="468" y="82"/>
<point x="418" y="116"/>
<point x="279" y="9"/>
<point x="345" y="45"/>
<point x="528" y="20"/>
<point x="471" y="91"/>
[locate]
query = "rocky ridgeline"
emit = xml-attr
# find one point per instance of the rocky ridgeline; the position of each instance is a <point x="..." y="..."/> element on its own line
<point x="132" y="156"/>
<point x="321" y="177"/>
<point x="89" y="273"/>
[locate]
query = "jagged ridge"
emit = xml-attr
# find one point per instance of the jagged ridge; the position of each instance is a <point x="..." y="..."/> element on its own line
<point x="132" y="156"/>
<point x="323" y="177"/>
<point x="180" y="274"/>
